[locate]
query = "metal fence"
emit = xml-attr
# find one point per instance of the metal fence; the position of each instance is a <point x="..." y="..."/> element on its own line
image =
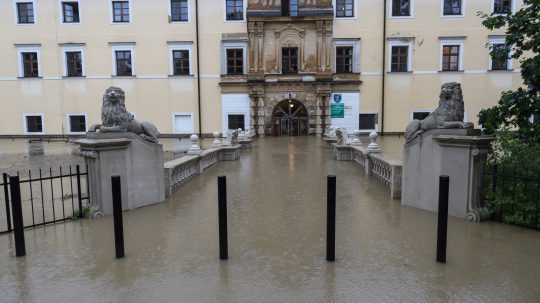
<point x="48" y="196"/>
<point x="513" y="195"/>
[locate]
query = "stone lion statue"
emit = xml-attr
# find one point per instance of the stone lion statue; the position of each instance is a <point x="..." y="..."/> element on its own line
<point x="342" y="136"/>
<point x="116" y="118"/>
<point x="449" y="114"/>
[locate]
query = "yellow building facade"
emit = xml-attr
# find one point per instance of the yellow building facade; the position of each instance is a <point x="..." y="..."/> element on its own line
<point x="277" y="67"/>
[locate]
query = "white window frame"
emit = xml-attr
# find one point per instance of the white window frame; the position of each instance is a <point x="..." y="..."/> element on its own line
<point x="244" y="11"/>
<point x="463" y="6"/>
<point x="401" y="42"/>
<point x="411" y="16"/>
<point x="192" y="131"/>
<point x="376" y="122"/>
<point x="499" y="40"/>
<point x="130" y="48"/>
<point x="68" y="123"/>
<point x="16" y="12"/>
<point x="173" y="46"/>
<point x="233" y="45"/>
<point x="111" y="12"/>
<point x="189" y="13"/>
<point x="25" y="125"/>
<point x="513" y="8"/>
<point x="355" y="44"/>
<point x="227" y="114"/>
<point x="355" y="11"/>
<point x="422" y="110"/>
<point x="67" y="49"/>
<point x="28" y="49"/>
<point x="61" y="15"/>
<point x="445" y="42"/>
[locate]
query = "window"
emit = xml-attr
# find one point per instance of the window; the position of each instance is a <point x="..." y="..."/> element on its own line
<point x="289" y="60"/>
<point x="452" y="7"/>
<point x="344" y="8"/>
<point x="74" y="65"/>
<point x="400" y="58"/>
<point x="500" y="56"/>
<point x="293" y="8"/>
<point x="367" y="122"/>
<point x="236" y="122"/>
<point x="183" y="123"/>
<point x="502" y="6"/>
<point x="234" y="10"/>
<point x="179" y="11"/>
<point x="420" y="115"/>
<point x="123" y="64"/>
<point x="450" y="58"/>
<point x="344" y="59"/>
<point x="33" y="123"/>
<point x="30" y="64"/>
<point x="25" y="12"/>
<point x="235" y="61"/>
<point x="180" y="62"/>
<point x="120" y="11"/>
<point x="77" y="123"/>
<point x="70" y="12"/>
<point x="401" y="8"/>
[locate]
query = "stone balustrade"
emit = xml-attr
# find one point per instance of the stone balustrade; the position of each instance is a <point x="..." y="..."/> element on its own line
<point x="178" y="171"/>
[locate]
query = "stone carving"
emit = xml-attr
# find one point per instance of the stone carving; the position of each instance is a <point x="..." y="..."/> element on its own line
<point x="449" y="114"/>
<point x="233" y="134"/>
<point x="373" y="146"/>
<point x="116" y="118"/>
<point x="342" y="137"/>
<point x="356" y="138"/>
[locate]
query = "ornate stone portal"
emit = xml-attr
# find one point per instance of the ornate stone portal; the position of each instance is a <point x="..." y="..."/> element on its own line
<point x="290" y="57"/>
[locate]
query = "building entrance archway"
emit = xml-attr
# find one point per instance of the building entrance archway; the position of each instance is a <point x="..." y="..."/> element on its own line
<point x="290" y="118"/>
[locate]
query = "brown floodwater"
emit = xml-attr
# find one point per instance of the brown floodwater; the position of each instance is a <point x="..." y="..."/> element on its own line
<point x="384" y="252"/>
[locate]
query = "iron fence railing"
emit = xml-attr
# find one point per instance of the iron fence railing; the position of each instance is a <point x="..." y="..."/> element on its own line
<point x="48" y="196"/>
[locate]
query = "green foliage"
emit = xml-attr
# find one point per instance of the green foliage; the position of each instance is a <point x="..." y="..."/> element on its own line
<point x="516" y="108"/>
<point x="516" y="198"/>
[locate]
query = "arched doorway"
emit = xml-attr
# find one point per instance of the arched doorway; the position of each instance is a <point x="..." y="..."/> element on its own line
<point x="290" y="118"/>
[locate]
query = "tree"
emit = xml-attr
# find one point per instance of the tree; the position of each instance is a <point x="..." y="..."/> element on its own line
<point x="520" y="109"/>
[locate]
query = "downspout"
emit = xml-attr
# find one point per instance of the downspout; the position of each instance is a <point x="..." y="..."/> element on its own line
<point x="383" y="88"/>
<point x="198" y="66"/>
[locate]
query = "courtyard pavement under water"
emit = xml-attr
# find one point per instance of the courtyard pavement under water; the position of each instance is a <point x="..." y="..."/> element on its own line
<point x="277" y="213"/>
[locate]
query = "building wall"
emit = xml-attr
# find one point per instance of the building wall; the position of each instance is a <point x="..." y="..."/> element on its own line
<point x="154" y="96"/>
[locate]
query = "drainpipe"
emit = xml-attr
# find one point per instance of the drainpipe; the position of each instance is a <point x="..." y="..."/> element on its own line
<point x="383" y="89"/>
<point x="198" y="66"/>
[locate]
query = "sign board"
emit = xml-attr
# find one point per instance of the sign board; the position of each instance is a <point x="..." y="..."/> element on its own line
<point x="337" y="108"/>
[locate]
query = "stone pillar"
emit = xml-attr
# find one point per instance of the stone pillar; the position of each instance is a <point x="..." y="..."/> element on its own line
<point x="324" y="100"/>
<point x="261" y="117"/>
<point x="257" y="114"/>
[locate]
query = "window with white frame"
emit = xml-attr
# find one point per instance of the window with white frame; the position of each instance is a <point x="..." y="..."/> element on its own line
<point x="236" y="121"/>
<point x="76" y="123"/>
<point x="499" y="58"/>
<point x="29" y="62"/>
<point x="73" y="62"/>
<point x="451" y="55"/>
<point x="25" y="11"/>
<point x="123" y="61"/>
<point x="347" y="55"/>
<point x="179" y="10"/>
<point x="502" y="7"/>
<point x="402" y="8"/>
<point x="121" y="11"/>
<point x="400" y="55"/>
<point x="234" y="10"/>
<point x="33" y="124"/>
<point x="70" y="11"/>
<point x="367" y="121"/>
<point x="180" y="58"/>
<point x="452" y="7"/>
<point x="183" y="123"/>
<point x="345" y="8"/>
<point x="234" y="58"/>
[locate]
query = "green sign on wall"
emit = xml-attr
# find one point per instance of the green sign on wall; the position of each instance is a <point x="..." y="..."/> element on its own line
<point x="337" y="108"/>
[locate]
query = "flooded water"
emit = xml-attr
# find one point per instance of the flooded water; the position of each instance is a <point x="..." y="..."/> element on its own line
<point x="385" y="252"/>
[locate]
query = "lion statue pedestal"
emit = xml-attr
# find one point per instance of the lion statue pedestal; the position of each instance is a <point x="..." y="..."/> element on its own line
<point x="123" y="147"/>
<point x="443" y="144"/>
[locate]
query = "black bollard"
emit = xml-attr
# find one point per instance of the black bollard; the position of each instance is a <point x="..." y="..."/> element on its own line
<point x="222" y="218"/>
<point x="18" y="223"/>
<point x="331" y="219"/>
<point x="6" y="199"/>
<point x="442" y="222"/>
<point x="117" y="213"/>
